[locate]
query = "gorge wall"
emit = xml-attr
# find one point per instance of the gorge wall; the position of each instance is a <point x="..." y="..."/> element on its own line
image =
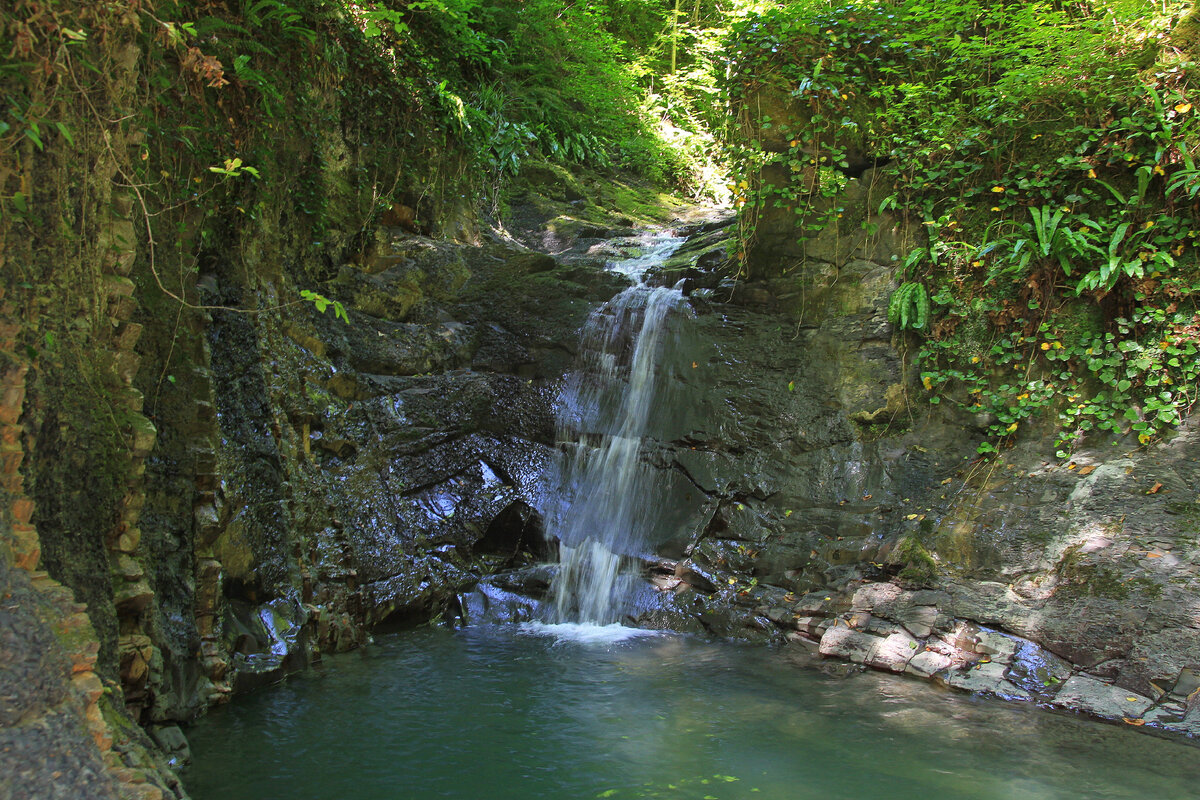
<point x="208" y="480"/>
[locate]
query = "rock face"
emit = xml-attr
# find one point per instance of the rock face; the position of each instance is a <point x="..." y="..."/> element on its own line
<point x="362" y="471"/>
<point x="304" y="478"/>
<point x="811" y="478"/>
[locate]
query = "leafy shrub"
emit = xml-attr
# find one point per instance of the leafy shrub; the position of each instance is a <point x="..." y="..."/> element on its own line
<point x="1045" y="151"/>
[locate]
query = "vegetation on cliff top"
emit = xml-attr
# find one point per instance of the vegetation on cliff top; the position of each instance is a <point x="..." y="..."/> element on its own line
<point x="1045" y="154"/>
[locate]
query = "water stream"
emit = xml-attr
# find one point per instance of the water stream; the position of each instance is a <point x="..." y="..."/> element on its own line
<point x="603" y="503"/>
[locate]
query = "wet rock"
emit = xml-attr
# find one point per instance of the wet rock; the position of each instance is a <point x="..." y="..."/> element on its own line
<point x="698" y="576"/>
<point x="533" y="581"/>
<point x="927" y="663"/>
<point x="986" y="677"/>
<point x="1037" y="670"/>
<point x="489" y="603"/>
<point x="847" y="643"/>
<point x="876" y="594"/>
<point x="1187" y="683"/>
<point x="172" y="742"/>
<point x="1000" y="646"/>
<point x="667" y="610"/>
<point x="813" y="626"/>
<point x="720" y="617"/>
<point x="893" y="652"/>
<point x="1094" y="696"/>
<point x="917" y="620"/>
<point x="842" y="669"/>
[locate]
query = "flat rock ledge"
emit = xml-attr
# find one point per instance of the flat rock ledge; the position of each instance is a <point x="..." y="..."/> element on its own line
<point x="896" y="630"/>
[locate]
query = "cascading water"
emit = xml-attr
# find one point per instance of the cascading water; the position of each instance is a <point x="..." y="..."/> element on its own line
<point x="604" y="504"/>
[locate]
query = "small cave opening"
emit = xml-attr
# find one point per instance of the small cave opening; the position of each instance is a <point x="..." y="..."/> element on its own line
<point x="414" y="615"/>
<point x="515" y="535"/>
<point x="241" y="590"/>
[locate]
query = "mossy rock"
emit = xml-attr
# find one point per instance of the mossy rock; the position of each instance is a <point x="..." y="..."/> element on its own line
<point x="552" y="180"/>
<point x="918" y="566"/>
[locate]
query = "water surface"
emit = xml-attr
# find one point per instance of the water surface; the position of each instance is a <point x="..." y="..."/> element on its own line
<point x="499" y="712"/>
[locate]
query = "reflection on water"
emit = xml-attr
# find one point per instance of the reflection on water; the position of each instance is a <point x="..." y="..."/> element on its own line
<point x="492" y="713"/>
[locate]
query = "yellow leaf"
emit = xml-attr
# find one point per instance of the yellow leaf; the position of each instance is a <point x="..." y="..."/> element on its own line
<point x="1183" y="108"/>
<point x="997" y="189"/>
<point x="1091" y="173"/>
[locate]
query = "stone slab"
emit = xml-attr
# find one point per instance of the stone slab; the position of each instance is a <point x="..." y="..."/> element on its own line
<point x="1094" y="696"/>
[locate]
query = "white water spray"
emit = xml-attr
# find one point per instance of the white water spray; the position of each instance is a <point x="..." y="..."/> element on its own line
<point x="606" y="502"/>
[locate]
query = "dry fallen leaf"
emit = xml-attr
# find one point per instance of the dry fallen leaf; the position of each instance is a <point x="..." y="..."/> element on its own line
<point x="1129" y="721"/>
<point x="1154" y="489"/>
<point x="1153" y="555"/>
<point x="1088" y="470"/>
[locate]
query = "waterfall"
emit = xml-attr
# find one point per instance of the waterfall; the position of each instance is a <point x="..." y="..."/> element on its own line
<point x="605" y="502"/>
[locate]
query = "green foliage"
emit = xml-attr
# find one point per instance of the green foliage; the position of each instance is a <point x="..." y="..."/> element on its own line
<point x="322" y="303"/>
<point x="1045" y="152"/>
<point x="1142" y="377"/>
<point x="909" y="307"/>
